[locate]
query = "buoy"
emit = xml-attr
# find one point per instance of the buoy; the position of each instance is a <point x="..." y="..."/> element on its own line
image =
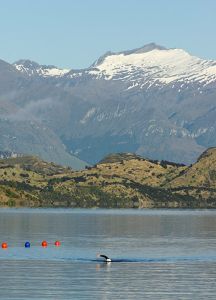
<point x="4" y="245"/>
<point x="44" y="244"/>
<point x="27" y="245"/>
<point x="57" y="243"/>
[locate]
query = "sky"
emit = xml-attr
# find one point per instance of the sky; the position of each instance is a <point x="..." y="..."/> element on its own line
<point x="74" y="33"/>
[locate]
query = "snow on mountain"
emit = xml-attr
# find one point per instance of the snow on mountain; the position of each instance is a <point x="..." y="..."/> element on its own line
<point x="145" y="67"/>
<point x="154" y="101"/>
<point x="32" y="68"/>
<point x="154" y="65"/>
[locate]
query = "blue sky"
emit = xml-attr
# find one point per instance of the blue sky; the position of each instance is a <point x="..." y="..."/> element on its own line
<point x="74" y="33"/>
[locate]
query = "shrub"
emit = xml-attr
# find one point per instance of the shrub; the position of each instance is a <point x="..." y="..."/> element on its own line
<point x="24" y="175"/>
<point x="11" y="203"/>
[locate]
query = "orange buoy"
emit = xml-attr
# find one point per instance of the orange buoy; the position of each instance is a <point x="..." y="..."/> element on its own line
<point x="4" y="245"/>
<point x="57" y="243"/>
<point x="44" y="244"/>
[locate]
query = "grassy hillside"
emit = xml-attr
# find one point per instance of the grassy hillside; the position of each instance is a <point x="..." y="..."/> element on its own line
<point x="119" y="180"/>
<point x="198" y="180"/>
<point x="201" y="174"/>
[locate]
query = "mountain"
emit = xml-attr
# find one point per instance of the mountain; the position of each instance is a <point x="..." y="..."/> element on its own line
<point x="32" y="68"/>
<point x="155" y="65"/>
<point x="21" y="129"/>
<point x="119" y="180"/>
<point x="154" y="101"/>
<point x="202" y="174"/>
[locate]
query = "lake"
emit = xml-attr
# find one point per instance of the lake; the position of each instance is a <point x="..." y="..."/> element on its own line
<point x="157" y="254"/>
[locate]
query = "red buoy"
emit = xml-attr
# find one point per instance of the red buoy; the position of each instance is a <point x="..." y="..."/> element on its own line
<point x="57" y="243"/>
<point x="4" y="245"/>
<point x="44" y="244"/>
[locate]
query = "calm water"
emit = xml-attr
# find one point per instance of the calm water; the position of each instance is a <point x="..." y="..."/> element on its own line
<point x="158" y="254"/>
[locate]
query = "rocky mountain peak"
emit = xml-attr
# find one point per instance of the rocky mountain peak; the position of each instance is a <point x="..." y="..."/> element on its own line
<point x="27" y="63"/>
<point x="143" y="49"/>
<point x="32" y="68"/>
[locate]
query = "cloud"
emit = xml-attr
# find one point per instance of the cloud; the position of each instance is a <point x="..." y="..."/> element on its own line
<point x="33" y="110"/>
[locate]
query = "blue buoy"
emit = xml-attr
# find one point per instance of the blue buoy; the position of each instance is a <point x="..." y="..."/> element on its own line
<point x="27" y="245"/>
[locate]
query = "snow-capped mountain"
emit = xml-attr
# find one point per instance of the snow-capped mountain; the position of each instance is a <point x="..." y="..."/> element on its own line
<point x="150" y="65"/>
<point x="154" y="65"/>
<point x="154" y="101"/>
<point x="32" y="68"/>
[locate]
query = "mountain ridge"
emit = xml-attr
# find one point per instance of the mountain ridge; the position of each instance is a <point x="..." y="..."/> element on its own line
<point x="122" y="180"/>
<point x="158" y="103"/>
<point x="143" y="49"/>
<point x="32" y="68"/>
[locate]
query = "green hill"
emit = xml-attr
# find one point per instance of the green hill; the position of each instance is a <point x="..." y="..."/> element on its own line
<point x="119" y="180"/>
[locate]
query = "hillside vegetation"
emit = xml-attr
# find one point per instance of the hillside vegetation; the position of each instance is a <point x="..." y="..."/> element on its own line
<point x="120" y="180"/>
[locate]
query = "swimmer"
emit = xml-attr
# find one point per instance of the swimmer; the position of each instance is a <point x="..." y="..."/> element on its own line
<point x="106" y="258"/>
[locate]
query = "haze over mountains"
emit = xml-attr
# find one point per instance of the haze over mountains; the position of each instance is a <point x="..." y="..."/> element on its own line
<point x="156" y="102"/>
